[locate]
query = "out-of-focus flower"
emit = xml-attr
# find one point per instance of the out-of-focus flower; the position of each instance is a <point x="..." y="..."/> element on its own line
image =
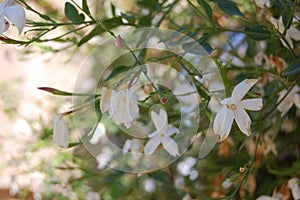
<point x="234" y="108"/>
<point x="291" y="33"/>
<point x="149" y="185"/>
<point x="292" y="98"/>
<point x="104" y="157"/>
<point x="134" y="145"/>
<point x="263" y="3"/>
<point x="278" y="62"/>
<point x="118" y="42"/>
<point x="98" y="133"/>
<point x="14" y="13"/>
<point x="162" y="134"/>
<point x="188" y="96"/>
<point x="60" y="131"/>
<point x="185" y="168"/>
<point x="265" y="197"/>
<point x="92" y="196"/>
<point x="294" y="186"/>
<point x="227" y="183"/>
<point x="122" y="106"/>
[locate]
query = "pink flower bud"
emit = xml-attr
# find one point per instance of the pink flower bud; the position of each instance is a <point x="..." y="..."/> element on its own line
<point x="164" y="100"/>
<point x="118" y="42"/>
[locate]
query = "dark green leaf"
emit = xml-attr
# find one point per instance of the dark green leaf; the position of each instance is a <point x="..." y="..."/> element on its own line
<point x="113" y="9"/>
<point x="229" y="7"/>
<point x="97" y="109"/>
<point x="109" y="23"/>
<point x="129" y="18"/>
<point x="72" y="13"/>
<point x="145" y="21"/>
<point x="118" y="70"/>
<point x="55" y="91"/>
<point x="292" y="69"/>
<point x="85" y="7"/>
<point x="258" y="32"/>
<point x="287" y="17"/>
<point x="206" y="7"/>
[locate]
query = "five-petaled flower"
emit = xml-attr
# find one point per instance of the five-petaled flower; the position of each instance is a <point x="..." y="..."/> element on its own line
<point x="234" y="108"/>
<point x="292" y="98"/>
<point x="13" y="13"/>
<point x="60" y="131"/>
<point x="122" y="105"/>
<point x="162" y="134"/>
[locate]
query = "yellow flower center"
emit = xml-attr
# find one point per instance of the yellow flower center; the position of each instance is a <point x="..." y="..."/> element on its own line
<point x="231" y="107"/>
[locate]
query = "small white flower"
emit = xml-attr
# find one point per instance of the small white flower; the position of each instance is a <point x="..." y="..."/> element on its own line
<point x="291" y="33"/>
<point x="122" y="106"/>
<point x="149" y="185"/>
<point x="294" y="186"/>
<point x="92" y="196"/>
<point x="14" y="13"/>
<point x="292" y="98"/>
<point x="98" y="133"/>
<point x="234" y="108"/>
<point x="60" y="131"/>
<point x="162" y="134"/>
<point x="132" y="145"/>
<point x="265" y="197"/>
<point x="227" y="183"/>
<point x="263" y="3"/>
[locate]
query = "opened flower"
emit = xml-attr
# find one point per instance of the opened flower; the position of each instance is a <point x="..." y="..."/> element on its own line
<point x="13" y="13"/>
<point x="60" y="131"/>
<point x="292" y="98"/>
<point x="162" y="134"/>
<point x="234" y="109"/>
<point x="291" y="33"/>
<point x="122" y="106"/>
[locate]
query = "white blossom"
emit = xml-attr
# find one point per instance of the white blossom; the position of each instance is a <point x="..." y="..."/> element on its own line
<point x="93" y="196"/>
<point x="98" y="133"/>
<point x="263" y="3"/>
<point x="60" y="131"/>
<point x="291" y="33"/>
<point x="234" y="109"/>
<point x="292" y="98"/>
<point x="294" y="186"/>
<point x="13" y="13"/>
<point x="122" y="106"/>
<point x="162" y="134"/>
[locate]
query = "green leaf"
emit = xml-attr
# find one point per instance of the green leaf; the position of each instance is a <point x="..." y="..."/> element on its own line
<point x="206" y="7"/>
<point x="55" y="91"/>
<point x="258" y="32"/>
<point x="129" y="18"/>
<point x="97" y="109"/>
<point x="228" y="7"/>
<point x="292" y="69"/>
<point x="287" y="17"/>
<point x="85" y="7"/>
<point x="109" y="23"/>
<point x="72" y="13"/>
<point x="118" y="70"/>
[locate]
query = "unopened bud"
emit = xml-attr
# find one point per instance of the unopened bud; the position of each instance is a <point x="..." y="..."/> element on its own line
<point x="118" y="42"/>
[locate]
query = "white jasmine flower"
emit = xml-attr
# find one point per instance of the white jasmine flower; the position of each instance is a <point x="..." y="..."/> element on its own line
<point x="263" y="3"/>
<point x="121" y="105"/>
<point x="162" y="134"/>
<point x="292" y="98"/>
<point x="13" y="13"/>
<point x="234" y="108"/>
<point x="291" y="33"/>
<point x="149" y="185"/>
<point x="293" y="185"/>
<point x="98" y="133"/>
<point x="265" y="197"/>
<point x="60" y="131"/>
<point x="93" y="196"/>
<point x="132" y="145"/>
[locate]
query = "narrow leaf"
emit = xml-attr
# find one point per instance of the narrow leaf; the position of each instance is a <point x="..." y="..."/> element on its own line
<point x="206" y="7"/>
<point x="258" y="32"/>
<point x="118" y="70"/>
<point x="287" y="17"/>
<point x="85" y="7"/>
<point x="229" y="7"/>
<point x="109" y="23"/>
<point x="292" y="69"/>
